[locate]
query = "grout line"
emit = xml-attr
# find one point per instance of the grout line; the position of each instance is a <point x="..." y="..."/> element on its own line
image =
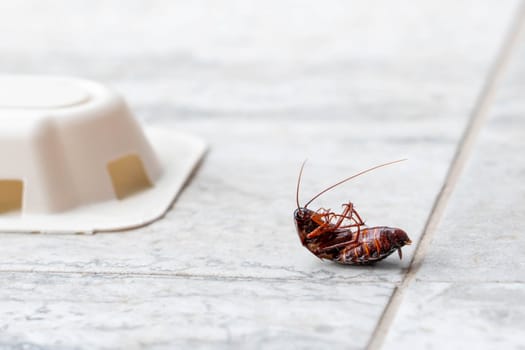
<point x="463" y="151"/>
<point x="236" y="278"/>
<point x="188" y="276"/>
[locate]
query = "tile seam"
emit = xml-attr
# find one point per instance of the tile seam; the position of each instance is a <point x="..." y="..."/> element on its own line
<point x="174" y="275"/>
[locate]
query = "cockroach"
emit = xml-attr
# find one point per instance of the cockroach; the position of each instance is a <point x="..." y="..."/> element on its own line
<point x="344" y="237"/>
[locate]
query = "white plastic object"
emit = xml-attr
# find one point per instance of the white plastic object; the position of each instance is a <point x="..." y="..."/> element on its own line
<point x="73" y="159"/>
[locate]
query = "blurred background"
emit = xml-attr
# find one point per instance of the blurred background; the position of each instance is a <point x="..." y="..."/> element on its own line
<point x="271" y="59"/>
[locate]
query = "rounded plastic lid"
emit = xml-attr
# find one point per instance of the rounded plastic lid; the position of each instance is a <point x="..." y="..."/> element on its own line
<point x="74" y="159"/>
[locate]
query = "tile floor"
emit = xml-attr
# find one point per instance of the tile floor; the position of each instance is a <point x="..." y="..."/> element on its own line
<point x="347" y="85"/>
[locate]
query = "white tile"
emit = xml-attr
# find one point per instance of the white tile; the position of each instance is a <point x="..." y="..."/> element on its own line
<point x="460" y="315"/>
<point x="469" y="291"/>
<point x="343" y="83"/>
<point x="481" y="236"/>
<point x="236" y="217"/>
<point x="73" y="311"/>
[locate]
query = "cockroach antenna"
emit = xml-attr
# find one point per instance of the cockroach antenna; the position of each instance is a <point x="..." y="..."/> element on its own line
<point x="344" y="180"/>
<point x="299" y="184"/>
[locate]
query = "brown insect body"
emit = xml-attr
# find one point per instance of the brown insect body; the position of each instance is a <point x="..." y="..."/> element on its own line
<point x="348" y="246"/>
<point x="343" y="237"/>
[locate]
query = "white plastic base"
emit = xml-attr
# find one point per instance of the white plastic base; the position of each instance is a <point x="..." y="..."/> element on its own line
<point x="178" y="153"/>
<point x="75" y="160"/>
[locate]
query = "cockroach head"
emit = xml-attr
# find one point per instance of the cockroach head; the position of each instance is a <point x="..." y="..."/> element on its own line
<point x="302" y="214"/>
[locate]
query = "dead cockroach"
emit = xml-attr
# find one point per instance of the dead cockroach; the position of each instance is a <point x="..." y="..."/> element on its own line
<point x="344" y="238"/>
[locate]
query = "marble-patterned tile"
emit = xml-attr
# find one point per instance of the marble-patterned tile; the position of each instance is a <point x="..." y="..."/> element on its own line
<point x="276" y="59"/>
<point x="460" y="315"/>
<point x="346" y="84"/>
<point x="76" y="311"/>
<point x="481" y="236"/>
<point x="469" y="290"/>
<point x="235" y="218"/>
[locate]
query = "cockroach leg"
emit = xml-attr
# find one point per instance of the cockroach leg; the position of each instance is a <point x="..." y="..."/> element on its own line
<point x="319" y="230"/>
<point x="360" y="222"/>
<point x="349" y="208"/>
<point x="323" y="211"/>
<point x="323" y="220"/>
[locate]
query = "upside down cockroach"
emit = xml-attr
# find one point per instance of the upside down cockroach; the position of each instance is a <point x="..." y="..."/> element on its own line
<point x="343" y="237"/>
